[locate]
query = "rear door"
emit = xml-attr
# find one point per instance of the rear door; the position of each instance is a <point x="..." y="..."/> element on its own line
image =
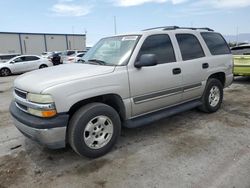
<point x="32" y="62"/>
<point x="194" y="65"/>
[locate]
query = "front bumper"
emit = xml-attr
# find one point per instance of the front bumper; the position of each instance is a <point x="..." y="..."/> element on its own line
<point x="49" y="132"/>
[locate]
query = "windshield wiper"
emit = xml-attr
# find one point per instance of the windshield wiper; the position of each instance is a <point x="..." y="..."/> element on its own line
<point x="97" y="61"/>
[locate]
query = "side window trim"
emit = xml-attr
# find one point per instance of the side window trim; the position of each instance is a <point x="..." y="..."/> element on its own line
<point x="172" y="44"/>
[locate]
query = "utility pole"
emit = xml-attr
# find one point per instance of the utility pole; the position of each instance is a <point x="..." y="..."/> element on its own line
<point x="237" y="36"/>
<point x="115" y="25"/>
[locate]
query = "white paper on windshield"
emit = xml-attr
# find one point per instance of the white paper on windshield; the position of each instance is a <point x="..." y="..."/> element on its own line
<point x="129" y="38"/>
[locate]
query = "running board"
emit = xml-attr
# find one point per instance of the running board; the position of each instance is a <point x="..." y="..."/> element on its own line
<point x="161" y="114"/>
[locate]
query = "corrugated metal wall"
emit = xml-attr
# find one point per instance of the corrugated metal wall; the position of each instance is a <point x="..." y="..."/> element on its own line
<point x="36" y="43"/>
<point x="9" y="43"/>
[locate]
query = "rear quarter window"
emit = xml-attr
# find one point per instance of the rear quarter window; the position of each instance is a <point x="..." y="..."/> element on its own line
<point x="216" y="43"/>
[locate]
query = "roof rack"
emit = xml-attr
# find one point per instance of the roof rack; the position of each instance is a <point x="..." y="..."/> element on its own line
<point x="177" y="27"/>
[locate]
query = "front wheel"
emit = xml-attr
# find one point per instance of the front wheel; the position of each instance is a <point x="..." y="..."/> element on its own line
<point x="212" y="97"/>
<point x="94" y="130"/>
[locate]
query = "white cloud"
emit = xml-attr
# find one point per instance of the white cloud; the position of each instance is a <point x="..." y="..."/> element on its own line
<point x="221" y="4"/>
<point x="127" y="3"/>
<point x="67" y="8"/>
<point x="211" y="3"/>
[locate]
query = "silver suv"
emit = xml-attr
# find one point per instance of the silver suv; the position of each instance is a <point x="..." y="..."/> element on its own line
<point x="125" y="80"/>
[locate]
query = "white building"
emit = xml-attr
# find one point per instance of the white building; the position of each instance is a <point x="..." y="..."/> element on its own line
<point x="36" y="43"/>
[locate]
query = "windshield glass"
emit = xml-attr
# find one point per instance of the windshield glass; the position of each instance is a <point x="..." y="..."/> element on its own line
<point x="112" y="51"/>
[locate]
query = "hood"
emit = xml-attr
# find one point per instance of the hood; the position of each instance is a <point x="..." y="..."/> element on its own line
<point x="37" y="81"/>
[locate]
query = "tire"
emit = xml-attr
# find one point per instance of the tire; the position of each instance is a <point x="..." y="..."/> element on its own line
<point x="42" y="66"/>
<point x="5" y="72"/>
<point x="212" y="97"/>
<point x="87" y="133"/>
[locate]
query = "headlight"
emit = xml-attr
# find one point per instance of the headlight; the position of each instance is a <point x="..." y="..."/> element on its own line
<point x="38" y="98"/>
<point x="42" y="105"/>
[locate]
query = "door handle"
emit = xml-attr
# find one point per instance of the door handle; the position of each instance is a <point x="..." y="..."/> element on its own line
<point x="205" y="65"/>
<point x="176" y="71"/>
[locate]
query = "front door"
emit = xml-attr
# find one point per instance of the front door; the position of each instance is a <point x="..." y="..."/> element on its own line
<point x="19" y="65"/>
<point x="157" y="86"/>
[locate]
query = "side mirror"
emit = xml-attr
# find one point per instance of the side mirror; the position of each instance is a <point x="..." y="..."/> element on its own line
<point x="12" y="62"/>
<point x="146" y="60"/>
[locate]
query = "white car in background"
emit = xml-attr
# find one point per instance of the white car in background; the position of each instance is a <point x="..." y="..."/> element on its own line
<point x="23" y="63"/>
<point x="73" y="58"/>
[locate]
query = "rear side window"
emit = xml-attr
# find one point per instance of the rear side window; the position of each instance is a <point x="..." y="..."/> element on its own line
<point x="161" y="46"/>
<point x="190" y="46"/>
<point x="215" y="43"/>
<point x="31" y="58"/>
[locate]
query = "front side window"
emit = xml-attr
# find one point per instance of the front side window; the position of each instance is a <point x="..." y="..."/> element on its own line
<point x="215" y="43"/>
<point x="19" y="59"/>
<point x="190" y="47"/>
<point x="112" y="51"/>
<point x="159" y="45"/>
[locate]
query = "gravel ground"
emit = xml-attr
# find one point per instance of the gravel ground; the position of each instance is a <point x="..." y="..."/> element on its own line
<point x="191" y="149"/>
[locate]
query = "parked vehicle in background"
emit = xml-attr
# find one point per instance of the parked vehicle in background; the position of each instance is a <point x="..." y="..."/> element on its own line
<point x="68" y="53"/>
<point x="241" y="56"/>
<point x="59" y="53"/>
<point x="73" y="58"/>
<point x="125" y="80"/>
<point x="23" y="63"/>
<point x="6" y="57"/>
<point x="47" y="54"/>
<point x="56" y="59"/>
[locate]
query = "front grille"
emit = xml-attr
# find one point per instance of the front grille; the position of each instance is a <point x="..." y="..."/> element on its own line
<point x="21" y="94"/>
<point x="21" y="106"/>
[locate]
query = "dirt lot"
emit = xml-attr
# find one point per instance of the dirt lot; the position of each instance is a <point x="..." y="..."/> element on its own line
<point x="191" y="149"/>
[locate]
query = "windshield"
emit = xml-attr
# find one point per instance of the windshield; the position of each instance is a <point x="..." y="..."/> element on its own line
<point x="112" y="51"/>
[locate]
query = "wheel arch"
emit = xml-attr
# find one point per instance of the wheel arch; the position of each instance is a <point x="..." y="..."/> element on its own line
<point x="43" y="65"/>
<point x="221" y="76"/>
<point x="113" y="100"/>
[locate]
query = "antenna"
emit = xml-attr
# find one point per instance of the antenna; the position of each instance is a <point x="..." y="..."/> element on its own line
<point x="115" y="29"/>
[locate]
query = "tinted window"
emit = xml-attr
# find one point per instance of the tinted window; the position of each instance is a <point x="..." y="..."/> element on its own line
<point x="161" y="46"/>
<point x="31" y="58"/>
<point x="70" y="53"/>
<point x="216" y="43"/>
<point x="190" y="46"/>
<point x="241" y="50"/>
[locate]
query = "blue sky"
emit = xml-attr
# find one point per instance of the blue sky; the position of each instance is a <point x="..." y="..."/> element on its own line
<point x="97" y="16"/>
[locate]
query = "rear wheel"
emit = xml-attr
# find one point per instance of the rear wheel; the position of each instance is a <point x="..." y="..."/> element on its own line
<point x="212" y="97"/>
<point x="5" y="72"/>
<point x="94" y="129"/>
<point x="42" y="66"/>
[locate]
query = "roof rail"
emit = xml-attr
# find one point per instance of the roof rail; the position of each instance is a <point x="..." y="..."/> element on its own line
<point x="177" y="27"/>
<point x="163" y="27"/>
